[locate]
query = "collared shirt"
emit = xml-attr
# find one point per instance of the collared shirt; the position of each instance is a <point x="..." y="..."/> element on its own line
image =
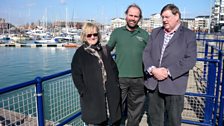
<point x="129" y="46"/>
<point x="167" y="37"/>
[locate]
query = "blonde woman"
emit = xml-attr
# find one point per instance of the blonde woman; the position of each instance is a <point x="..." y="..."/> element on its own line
<point x="95" y="75"/>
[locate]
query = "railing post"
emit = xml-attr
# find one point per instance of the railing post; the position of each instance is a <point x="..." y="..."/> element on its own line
<point x="39" y="95"/>
<point x="198" y="36"/>
<point x="221" y="107"/>
<point x="209" y="102"/>
<point x="205" y="62"/>
<point x="212" y="52"/>
<point x="217" y="86"/>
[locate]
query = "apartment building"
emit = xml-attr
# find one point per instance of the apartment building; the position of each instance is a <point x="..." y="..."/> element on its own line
<point x="155" y="20"/>
<point x="217" y="15"/>
<point x="189" y="23"/>
<point x="202" y="23"/>
<point x="117" y="22"/>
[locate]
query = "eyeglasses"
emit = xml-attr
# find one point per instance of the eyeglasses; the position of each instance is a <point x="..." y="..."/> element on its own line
<point x="90" y="35"/>
<point x="167" y="16"/>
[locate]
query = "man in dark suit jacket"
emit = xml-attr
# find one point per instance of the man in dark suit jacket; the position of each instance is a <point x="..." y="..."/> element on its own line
<point x="168" y="57"/>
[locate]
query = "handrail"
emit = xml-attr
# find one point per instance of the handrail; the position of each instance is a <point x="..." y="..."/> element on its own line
<point x="17" y="86"/>
<point x="69" y="119"/>
<point x="39" y="93"/>
<point x="31" y="82"/>
<point x="56" y="75"/>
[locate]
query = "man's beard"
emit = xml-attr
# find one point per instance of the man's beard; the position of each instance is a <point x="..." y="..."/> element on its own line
<point x="131" y="27"/>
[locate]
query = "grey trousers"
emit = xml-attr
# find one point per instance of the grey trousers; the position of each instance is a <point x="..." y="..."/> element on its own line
<point x="133" y="97"/>
<point x="165" y="110"/>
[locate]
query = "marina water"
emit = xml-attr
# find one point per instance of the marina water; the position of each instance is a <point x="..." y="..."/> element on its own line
<point x="18" y="65"/>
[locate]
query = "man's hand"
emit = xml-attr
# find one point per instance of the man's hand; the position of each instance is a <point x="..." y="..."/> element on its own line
<point x="160" y="73"/>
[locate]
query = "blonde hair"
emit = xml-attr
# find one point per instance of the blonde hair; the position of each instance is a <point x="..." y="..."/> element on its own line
<point x="89" y="28"/>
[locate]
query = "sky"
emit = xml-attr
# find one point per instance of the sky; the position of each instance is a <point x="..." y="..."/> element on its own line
<point x="19" y="12"/>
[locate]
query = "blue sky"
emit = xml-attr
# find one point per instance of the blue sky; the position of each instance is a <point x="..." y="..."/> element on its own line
<point x="25" y="11"/>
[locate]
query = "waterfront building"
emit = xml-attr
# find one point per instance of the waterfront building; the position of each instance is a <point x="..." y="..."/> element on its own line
<point x="2" y="20"/>
<point x="202" y="23"/>
<point x="155" y="20"/>
<point x="217" y="15"/>
<point x="4" y="26"/>
<point x="189" y="23"/>
<point x="117" y="22"/>
<point x="146" y="24"/>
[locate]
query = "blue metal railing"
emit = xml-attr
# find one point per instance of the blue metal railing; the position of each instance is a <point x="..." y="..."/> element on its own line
<point x="38" y="82"/>
<point x="221" y="110"/>
<point x="215" y="44"/>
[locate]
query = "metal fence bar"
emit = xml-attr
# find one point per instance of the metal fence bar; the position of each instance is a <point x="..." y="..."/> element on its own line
<point x="218" y="108"/>
<point x="205" y="56"/>
<point x="40" y="110"/>
<point x="14" y="105"/>
<point x="221" y="107"/>
<point x="195" y="123"/>
<point x="220" y="54"/>
<point x="69" y="119"/>
<point x="210" y="91"/>
<point x="16" y="86"/>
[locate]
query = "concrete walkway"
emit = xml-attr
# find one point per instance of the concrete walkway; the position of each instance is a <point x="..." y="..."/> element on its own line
<point x="144" y="122"/>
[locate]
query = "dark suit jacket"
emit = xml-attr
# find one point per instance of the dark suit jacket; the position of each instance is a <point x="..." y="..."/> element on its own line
<point x="179" y="57"/>
<point x="87" y="77"/>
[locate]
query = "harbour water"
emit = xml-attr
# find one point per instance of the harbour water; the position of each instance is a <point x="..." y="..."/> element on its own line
<point x="18" y="65"/>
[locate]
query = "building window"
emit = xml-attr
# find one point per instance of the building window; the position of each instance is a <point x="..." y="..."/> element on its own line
<point x="221" y="17"/>
<point x="222" y="10"/>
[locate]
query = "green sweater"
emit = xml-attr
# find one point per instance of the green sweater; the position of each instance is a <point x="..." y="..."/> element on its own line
<point x="128" y="49"/>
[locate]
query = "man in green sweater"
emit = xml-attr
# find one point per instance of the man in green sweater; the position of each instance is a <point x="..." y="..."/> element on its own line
<point x="129" y="42"/>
